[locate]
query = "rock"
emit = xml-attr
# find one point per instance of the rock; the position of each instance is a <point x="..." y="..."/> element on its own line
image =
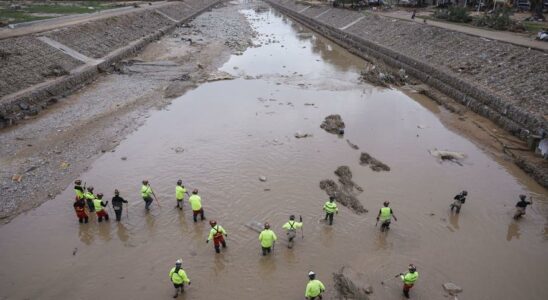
<point x="24" y="106"/>
<point x="178" y="149"/>
<point x="123" y="158"/>
<point x="374" y="164"/>
<point x="451" y="288"/>
<point x="219" y="75"/>
<point x="300" y="135"/>
<point x="333" y="124"/>
<point x="350" y="284"/>
<point x="262" y="178"/>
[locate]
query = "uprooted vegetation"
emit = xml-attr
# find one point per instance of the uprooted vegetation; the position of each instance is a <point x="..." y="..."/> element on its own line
<point x="344" y="194"/>
<point x="376" y="165"/>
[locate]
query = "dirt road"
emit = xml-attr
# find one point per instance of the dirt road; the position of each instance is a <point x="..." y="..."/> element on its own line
<point x="221" y="136"/>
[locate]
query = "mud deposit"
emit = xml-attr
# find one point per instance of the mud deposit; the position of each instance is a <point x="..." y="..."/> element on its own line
<point x="373" y="163"/>
<point x="220" y="137"/>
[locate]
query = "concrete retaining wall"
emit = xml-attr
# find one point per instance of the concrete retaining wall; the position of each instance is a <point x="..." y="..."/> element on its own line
<point x="506" y="83"/>
<point x="34" y="74"/>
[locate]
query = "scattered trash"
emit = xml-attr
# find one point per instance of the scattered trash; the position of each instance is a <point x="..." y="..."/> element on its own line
<point x="64" y="165"/>
<point x="178" y="149"/>
<point x="542" y="35"/>
<point x="380" y="75"/>
<point x="262" y="178"/>
<point x="374" y="164"/>
<point x="333" y="124"/>
<point x="123" y="158"/>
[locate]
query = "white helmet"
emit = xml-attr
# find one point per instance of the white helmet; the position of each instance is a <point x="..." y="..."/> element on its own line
<point x="179" y="261"/>
<point x="311" y="273"/>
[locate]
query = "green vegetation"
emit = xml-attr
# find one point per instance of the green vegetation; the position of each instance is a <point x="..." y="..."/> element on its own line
<point x="41" y="11"/>
<point x="456" y="14"/>
<point x="498" y="19"/>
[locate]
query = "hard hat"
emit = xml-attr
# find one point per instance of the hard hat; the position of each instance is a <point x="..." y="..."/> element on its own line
<point x="412" y="268"/>
<point x="464" y="193"/>
<point x="90" y="188"/>
<point x="195" y="191"/>
<point x="179" y="261"/>
<point x="386" y="203"/>
<point x="331" y="198"/>
<point x="522" y="197"/>
<point x="179" y="181"/>
<point x="145" y="181"/>
<point x="266" y="225"/>
<point x="311" y="273"/>
<point x="212" y="222"/>
<point x="292" y="217"/>
<point x="100" y="195"/>
<point x="116" y="192"/>
<point x="78" y="181"/>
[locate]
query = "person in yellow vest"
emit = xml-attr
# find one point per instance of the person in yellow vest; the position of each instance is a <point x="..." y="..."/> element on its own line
<point x="330" y="208"/>
<point x="314" y="288"/>
<point x="409" y="279"/>
<point x="267" y="238"/>
<point x="180" y="192"/>
<point x="196" y="205"/>
<point x="89" y="196"/>
<point x="385" y="215"/>
<point x="291" y="226"/>
<point x="178" y="277"/>
<point x="99" y="206"/>
<point x="218" y="234"/>
<point x="146" y="193"/>
<point x="78" y="189"/>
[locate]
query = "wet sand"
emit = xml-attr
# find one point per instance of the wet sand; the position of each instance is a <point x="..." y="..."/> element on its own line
<point x="234" y="131"/>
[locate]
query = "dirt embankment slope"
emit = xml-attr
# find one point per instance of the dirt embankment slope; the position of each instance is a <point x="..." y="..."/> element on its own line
<point x="39" y="68"/>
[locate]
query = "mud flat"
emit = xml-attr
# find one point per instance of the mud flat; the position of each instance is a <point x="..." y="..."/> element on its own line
<point x="501" y="81"/>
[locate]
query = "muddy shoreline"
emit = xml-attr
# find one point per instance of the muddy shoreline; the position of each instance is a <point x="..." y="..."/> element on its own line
<point x="42" y="155"/>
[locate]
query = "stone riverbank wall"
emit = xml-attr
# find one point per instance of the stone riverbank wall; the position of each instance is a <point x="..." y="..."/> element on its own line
<point x="503" y="82"/>
<point x="37" y="69"/>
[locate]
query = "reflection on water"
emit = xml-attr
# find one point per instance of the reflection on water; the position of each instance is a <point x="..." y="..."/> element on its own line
<point x="454" y="220"/>
<point x="122" y="232"/>
<point x="513" y="231"/>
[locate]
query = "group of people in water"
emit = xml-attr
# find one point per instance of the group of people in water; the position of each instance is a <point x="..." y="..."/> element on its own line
<point x="87" y="202"/>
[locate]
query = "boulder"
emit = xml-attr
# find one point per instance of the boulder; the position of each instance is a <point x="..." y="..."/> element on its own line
<point x="451" y="288"/>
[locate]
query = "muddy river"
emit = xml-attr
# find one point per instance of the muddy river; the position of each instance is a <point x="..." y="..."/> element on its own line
<point x="234" y="131"/>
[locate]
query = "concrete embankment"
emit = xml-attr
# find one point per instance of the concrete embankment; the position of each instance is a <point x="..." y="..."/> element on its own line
<point x="503" y="82"/>
<point x="37" y="69"/>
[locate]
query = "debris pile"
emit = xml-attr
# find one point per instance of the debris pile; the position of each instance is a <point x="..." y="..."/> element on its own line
<point x="374" y="164"/>
<point x="350" y="284"/>
<point x="333" y="124"/>
<point x="380" y="75"/>
<point x="344" y="194"/>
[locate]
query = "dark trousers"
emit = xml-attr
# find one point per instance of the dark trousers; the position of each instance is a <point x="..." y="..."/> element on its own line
<point x="118" y="212"/>
<point x="90" y="205"/>
<point x="148" y="202"/>
<point x="266" y="250"/>
<point x="195" y="214"/>
<point x="330" y="217"/>
<point x="180" y="204"/>
<point x="406" y="288"/>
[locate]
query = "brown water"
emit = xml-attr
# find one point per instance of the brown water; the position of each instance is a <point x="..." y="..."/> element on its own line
<point x="233" y="132"/>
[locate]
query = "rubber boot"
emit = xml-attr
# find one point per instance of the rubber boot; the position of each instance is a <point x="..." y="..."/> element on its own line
<point x="176" y="293"/>
<point x="406" y="294"/>
<point x="217" y="249"/>
<point x="224" y="244"/>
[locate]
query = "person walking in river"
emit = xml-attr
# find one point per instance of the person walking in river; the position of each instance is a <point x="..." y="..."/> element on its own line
<point x="178" y="277"/>
<point x="78" y="189"/>
<point x="385" y="215"/>
<point x="118" y="204"/>
<point x="80" y="209"/>
<point x="100" y="210"/>
<point x="89" y="196"/>
<point x="330" y="208"/>
<point x="218" y="234"/>
<point x="196" y="204"/>
<point x="314" y="288"/>
<point x="180" y="192"/>
<point x="521" y="206"/>
<point x="409" y="279"/>
<point x="146" y="193"/>
<point x="291" y="226"/>
<point x="458" y="201"/>
<point x="267" y="238"/>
